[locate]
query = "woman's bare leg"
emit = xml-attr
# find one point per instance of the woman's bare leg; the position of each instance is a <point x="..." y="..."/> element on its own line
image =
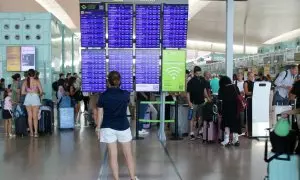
<point x="6" y="127"/>
<point x="129" y="158"/>
<point x="9" y="129"/>
<point x="30" y="119"/>
<point x="35" y="114"/>
<point x="113" y="159"/>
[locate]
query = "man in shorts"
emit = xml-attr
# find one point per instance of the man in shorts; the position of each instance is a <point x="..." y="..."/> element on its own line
<point x="197" y="89"/>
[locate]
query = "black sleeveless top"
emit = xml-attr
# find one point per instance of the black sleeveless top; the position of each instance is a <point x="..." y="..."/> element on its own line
<point x="250" y="85"/>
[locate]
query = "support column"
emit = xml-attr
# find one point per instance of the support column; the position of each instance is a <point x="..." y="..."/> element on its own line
<point x="229" y="37"/>
<point x="63" y="48"/>
<point x="73" y="48"/>
<point x="161" y="133"/>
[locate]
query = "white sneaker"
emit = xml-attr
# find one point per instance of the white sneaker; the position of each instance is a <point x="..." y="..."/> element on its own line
<point x="226" y="140"/>
<point x="136" y="178"/>
<point x="12" y="135"/>
<point x="143" y="132"/>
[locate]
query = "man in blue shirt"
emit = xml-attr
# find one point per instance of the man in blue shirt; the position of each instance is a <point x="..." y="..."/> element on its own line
<point x="214" y="84"/>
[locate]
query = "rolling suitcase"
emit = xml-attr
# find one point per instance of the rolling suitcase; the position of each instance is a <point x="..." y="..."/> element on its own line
<point x="45" y="121"/>
<point x="66" y="118"/>
<point x="210" y="133"/>
<point x="20" y="118"/>
<point x="210" y="125"/>
<point x="282" y="166"/>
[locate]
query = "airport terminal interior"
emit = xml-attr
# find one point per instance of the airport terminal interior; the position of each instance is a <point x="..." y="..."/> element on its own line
<point x="210" y="89"/>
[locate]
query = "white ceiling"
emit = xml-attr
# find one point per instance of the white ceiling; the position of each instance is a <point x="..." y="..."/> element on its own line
<point x="266" y="18"/>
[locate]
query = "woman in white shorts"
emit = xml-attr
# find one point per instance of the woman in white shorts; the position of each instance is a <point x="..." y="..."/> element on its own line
<point x="33" y="90"/>
<point x="113" y="124"/>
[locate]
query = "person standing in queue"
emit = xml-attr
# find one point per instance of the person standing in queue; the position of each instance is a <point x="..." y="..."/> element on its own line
<point x="230" y="124"/>
<point x="284" y="83"/>
<point x="16" y="88"/>
<point x="196" y="92"/>
<point x="33" y="90"/>
<point x="248" y="89"/>
<point x="113" y="124"/>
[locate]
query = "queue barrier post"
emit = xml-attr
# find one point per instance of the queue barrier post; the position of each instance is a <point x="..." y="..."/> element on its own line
<point x="176" y="137"/>
<point x="137" y="123"/>
<point x="138" y="120"/>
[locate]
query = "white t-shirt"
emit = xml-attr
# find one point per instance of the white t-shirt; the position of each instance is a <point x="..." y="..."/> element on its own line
<point x="240" y="85"/>
<point x="7" y="103"/>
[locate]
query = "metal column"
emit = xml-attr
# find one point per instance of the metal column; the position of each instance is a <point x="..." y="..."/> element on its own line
<point x="161" y="133"/>
<point x="229" y="37"/>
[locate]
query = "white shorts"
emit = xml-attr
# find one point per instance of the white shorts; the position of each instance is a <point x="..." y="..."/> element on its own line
<point x="32" y="99"/>
<point x="108" y="135"/>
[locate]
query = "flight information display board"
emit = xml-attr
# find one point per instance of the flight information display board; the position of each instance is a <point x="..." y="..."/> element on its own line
<point x="92" y="25"/>
<point x="175" y="25"/>
<point x="147" y="70"/>
<point x="93" y="69"/>
<point x="120" y="25"/>
<point x="121" y="60"/>
<point x="147" y="26"/>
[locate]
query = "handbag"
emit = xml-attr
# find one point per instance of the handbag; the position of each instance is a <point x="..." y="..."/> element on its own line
<point x="241" y="104"/>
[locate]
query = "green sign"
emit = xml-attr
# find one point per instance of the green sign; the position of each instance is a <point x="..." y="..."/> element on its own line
<point x="173" y="70"/>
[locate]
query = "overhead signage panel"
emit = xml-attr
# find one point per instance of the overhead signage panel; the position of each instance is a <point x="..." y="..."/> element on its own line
<point x="140" y="1"/>
<point x="148" y="26"/>
<point x="121" y="60"/>
<point x="120" y="25"/>
<point x="92" y="25"/>
<point x="147" y="70"/>
<point x="173" y="70"/>
<point x="93" y="70"/>
<point x="175" y="25"/>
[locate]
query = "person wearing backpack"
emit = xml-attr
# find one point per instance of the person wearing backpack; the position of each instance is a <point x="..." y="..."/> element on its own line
<point x="284" y="83"/>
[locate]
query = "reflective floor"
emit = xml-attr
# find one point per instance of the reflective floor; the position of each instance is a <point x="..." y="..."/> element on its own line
<point x="76" y="155"/>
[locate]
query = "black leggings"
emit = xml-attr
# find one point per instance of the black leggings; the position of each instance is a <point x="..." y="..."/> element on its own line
<point x="86" y="100"/>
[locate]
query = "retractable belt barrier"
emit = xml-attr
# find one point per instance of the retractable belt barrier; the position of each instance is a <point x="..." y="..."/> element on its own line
<point x="137" y="137"/>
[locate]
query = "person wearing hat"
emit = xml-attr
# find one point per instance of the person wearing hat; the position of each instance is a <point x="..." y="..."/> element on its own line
<point x="283" y="139"/>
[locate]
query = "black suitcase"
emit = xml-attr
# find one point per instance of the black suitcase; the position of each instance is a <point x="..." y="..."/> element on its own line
<point x="21" y="126"/>
<point x="45" y="123"/>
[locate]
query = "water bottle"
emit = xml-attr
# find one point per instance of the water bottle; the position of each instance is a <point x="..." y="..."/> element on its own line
<point x="190" y="113"/>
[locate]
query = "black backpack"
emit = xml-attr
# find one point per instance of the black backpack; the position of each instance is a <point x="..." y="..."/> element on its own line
<point x="55" y="86"/>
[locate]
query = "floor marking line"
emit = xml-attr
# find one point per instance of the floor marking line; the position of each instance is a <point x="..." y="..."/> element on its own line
<point x="172" y="162"/>
<point x="104" y="166"/>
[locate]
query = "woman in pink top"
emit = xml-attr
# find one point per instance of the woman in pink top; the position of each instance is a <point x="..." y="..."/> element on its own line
<point x="33" y="90"/>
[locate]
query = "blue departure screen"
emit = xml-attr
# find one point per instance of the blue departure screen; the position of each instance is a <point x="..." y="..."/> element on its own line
<point x="92" y="25"/>
<point x="175" y="26"/>
<point x="93" y="69"/>
<point x="147" y="26"/>
<point x="147" y="70"/>
<point x="120" y="25"/>
<point x="121" y="60"/>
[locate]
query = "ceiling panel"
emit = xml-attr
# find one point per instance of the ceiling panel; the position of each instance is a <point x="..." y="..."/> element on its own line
<point x="266" y="19"/>
<point x="20" y="6"/>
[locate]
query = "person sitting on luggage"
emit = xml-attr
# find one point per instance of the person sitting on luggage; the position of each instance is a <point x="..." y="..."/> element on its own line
<point x="114" y="126"/>
<point x="283" y="140"/>
<point x="230" y="119"/>
<point x="7" y="113"/>
<point x="32" y="88"/>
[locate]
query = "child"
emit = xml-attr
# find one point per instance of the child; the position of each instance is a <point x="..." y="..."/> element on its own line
<point x="7" y="113"/>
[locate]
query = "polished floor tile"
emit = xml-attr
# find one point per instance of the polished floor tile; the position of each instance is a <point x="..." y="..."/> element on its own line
<point x="76" y="155"/>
